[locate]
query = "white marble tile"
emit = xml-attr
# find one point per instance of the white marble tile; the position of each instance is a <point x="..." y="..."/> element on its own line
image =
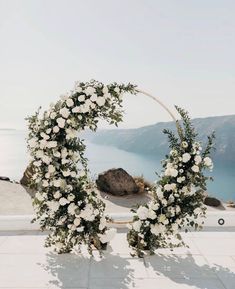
<point x="185" y="266"/>
<point x="117" y="266"/>
<point x="159" y="283"/>
<point x="211" y="246"/>
<point x="43" y="270"/>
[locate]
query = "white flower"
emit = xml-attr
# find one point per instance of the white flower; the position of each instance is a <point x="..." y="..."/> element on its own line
<point x="157" y="229"/>
<point x="46" y="159"/>
<point x="33" y="142"/>
<point x="197" y="211"/>
<point x="137" y="225"/>
<point x="63" y="201"/>
<point x="171" y="172"/>
<point x="44" y="135"/>
<point x="39" y="154"/>
<point x="108" y="235"/>
<point x="61" y="122"/>
<point x="186" y="157"/>
<point x="39" y="196"/>
<point x="53" y="115"/>
<point x="105" y="89"/>
<point x="117" y="89"/>
<point x="72" y="208"/>
<point x="57" y="195"/>
<point x="103" y="223"/>
<point x="174" y="227"/>
<point x="76" y="109"/>
<point x="184" y="144"/>
<point x="71" y="133"/>
<point x="80" y="229"/>
<point x="159" y="193"/>
<point x="53" y="205"/>
<point x="84" y="108"/>
<point x="52" y="144"/>
<point x="152" y="215"/>
<point x="208" y="162"/>
<point x="69" y="102"/>
<point x="66" y="173"/>
<point x="100" y="101"/>
<point x="51" y="169"/>
<point x="56" y="129"/>
<point x="90" y="90"/>
<point x="93" y="97"/>
<point x="65" y="112"/>
<point x="81" y="98"/>
<point x="142" y="213"/>
<point x="77" y="221"/>
<point x="87" y="213"/>
<point x="170" y="187"/>
<point x="56" y="154"/>
<point x="180" y="180"/>
<point x="195" y="169"/>
<point x="198" y="160"/>
<point x="153" y="205"/>
<point x="57" y="183"/>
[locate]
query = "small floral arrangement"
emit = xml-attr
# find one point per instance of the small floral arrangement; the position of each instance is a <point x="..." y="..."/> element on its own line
<point x="65" y="202"/>
<point x="178" y="194"/>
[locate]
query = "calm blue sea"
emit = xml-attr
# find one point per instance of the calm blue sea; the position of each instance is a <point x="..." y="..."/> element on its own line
<point x="14" y="159"/>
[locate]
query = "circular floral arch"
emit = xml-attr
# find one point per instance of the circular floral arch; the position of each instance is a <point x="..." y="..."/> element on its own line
<point x="66" y="203"/>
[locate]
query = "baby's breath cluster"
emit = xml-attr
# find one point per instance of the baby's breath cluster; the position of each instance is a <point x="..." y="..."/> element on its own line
<point x="65" y="202"/>
<point x="178" y="194"/>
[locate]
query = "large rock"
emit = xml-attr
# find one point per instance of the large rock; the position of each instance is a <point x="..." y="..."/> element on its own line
<point x="116" y="182"/>
<point x="28" y="173"/>
<point x="213" y="202"/>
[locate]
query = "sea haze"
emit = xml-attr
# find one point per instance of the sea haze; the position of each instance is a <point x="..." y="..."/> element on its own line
<point x="14" y="159"/>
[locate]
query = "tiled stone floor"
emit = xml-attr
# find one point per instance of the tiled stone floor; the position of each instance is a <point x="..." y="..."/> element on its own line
<point x="209" y="263"/>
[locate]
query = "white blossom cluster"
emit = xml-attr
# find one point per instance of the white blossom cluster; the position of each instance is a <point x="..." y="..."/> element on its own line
<point x="65" y="202"/>
<point x="178" y="200"/>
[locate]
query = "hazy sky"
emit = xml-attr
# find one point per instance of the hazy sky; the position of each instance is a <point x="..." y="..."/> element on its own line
<point x="182" y="51"/>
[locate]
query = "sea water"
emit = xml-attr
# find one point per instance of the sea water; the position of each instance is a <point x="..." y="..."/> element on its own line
<point x="14" y="159"/>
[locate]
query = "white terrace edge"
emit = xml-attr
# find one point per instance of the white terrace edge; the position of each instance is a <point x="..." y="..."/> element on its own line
<point x="23" y="222"/>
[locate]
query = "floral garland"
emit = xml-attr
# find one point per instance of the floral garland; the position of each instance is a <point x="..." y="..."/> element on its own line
<point x="178" y="194"/>
<point x="65" y="202"/>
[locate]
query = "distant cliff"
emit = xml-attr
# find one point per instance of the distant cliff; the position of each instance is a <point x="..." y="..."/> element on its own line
<point x="151" y="141"/>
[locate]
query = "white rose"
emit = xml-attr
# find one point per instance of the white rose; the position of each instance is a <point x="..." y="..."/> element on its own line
<point x="44" y="135"/>
<point x="51" y="169"/>
<point x="61" y="122"/>
<point x="171" y="172"/>
<point x="152" y="215"/>
<point x="52" y="144"/>
<point x="137" y="225"/>
<point x="39" y="197"/>
<point x="33" y="142"/>
<point x="56" y="129"/>
<point x="69" y="102"/>
<point x="93" y="97"/>
<point x="142" y="212"/>
<point x="57" y="183"/>
<point x="46" y="159"/>
<point x="186" y="157"/>
<point x="77" y="221"/>
<point x="81" y="98"/>
<point x="103" y="223"/>
<point x="105" y="89"/>
<point x="72" y="208"/>
<point x="195" y="169"/>
<point x="53" y="115"/>
<point x="84" y="108"/>
<point x="159" y="193"/>
<point x="208" y="162"/>
<point x="63" y="201"/>
<point x="39" y="154"/>
<point x="53" y="206"/>
<point x="198" y="160"/>
<point x="90" y="90"/>
<point x="65" y="112"/>
<point x="157" y="229"/>
<point x="56" y="154"/>
<point x="57" y="195"/>
<point x="76" y="109"/>
<point x="100" y="101"/>
<point x="66" y="173"/>
<point x="117" y="89"/>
